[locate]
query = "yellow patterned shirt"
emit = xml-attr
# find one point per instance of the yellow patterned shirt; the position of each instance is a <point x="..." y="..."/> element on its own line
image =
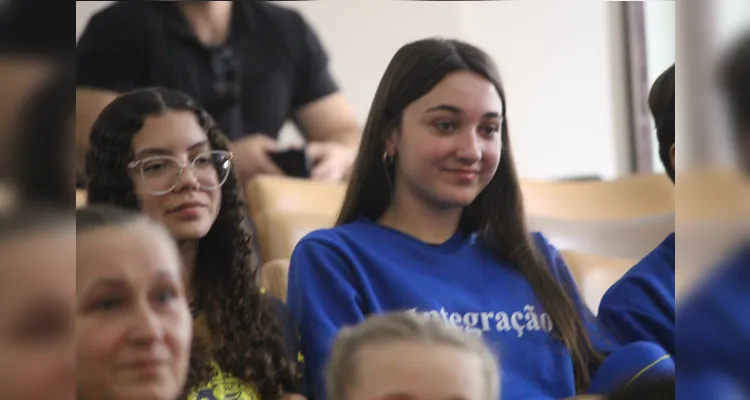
<point x="225" y="387"/>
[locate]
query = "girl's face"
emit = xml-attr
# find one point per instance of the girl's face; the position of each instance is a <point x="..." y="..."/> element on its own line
<point x="133" y="322"/>
<point x="421" y="372"/>
<point x="37" y="317"/>
<point x="166" y="141"/>
<point x="448" y="147"/>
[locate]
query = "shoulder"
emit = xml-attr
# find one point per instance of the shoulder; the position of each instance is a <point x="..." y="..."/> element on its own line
<point x="709" y="318"/>
<point x="124" y="13"/>
<point x="661" y="256"/>
<point x="285" y="16"/>
<point x="339" y="237"/>
<point x="725" y="289"/>
<point x="288" y="25"/>
<point x="550" y="253"/>
<point x="335" y="249"/>
<point x="541" y="242"/>
<point x="126" y="23"/>
<point x="655" y="270"/>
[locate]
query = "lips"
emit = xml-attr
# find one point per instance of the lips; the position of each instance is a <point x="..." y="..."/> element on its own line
<point x="146" y="364"/>
<point x="186" y="205"/>
<point x="466" y="172"/>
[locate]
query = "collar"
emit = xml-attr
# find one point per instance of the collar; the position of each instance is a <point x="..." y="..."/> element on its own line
<point x="244" y="20"/>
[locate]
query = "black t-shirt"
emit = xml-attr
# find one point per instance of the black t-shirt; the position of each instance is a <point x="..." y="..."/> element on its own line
<point x="271" y="64"/>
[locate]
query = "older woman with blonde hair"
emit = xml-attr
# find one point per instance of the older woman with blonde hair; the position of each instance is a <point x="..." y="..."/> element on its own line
<point x="408" y="356"/>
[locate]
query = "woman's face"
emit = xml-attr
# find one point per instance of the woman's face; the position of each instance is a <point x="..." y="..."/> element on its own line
<point x="189" y="210"/>
<point x="37" y="316"/>
<point x="133" y="322"/>
<point x="423" y="372"/>
<point x="448" y="147"/>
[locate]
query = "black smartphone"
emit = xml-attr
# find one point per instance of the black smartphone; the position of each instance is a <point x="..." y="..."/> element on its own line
<point x="293" y="162"/>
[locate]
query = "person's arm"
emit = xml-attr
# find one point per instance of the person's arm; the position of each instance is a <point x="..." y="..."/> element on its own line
<point x="598" y="336"/>
<point x="627" y="321"/>
<point x="322" y="298"/>
<point x="111" y="58"/>
<point x="321" y="112"/>
<point x="329" y="119"/>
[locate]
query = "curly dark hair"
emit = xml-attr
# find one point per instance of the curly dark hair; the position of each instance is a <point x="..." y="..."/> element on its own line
<point x="246" y="339"/>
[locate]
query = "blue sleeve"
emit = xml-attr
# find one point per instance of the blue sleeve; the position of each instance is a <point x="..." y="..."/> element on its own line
<point x="322" y="298"/>
<point x="600" y="339"/>
<point x="714" y="331"/>
<point x="622" y="315"/>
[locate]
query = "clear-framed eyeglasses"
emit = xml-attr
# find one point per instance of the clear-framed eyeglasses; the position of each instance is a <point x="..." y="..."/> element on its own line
<point x="161" y="174"/>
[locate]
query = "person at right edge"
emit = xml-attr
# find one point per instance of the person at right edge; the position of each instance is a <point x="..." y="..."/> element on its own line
<point x="640" y="306"/>
<point x="713" y="331"/>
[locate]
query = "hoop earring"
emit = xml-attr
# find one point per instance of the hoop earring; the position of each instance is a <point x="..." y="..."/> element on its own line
<point x="387" y="159"/>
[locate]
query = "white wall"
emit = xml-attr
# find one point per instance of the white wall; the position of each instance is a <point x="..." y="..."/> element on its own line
<point x="561" y="62"/>
<point x="733" y="17"/>
<point x="84" y="9"/>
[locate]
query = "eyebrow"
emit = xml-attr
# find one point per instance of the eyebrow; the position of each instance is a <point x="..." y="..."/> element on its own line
<point x="117" y="283"/>
<point x="456" y="110"/>
<point x="114" y="283"/>
<point x="158" y="151"/>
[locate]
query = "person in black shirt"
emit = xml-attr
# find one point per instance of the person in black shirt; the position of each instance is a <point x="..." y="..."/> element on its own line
<point x="251" y="64"/>
<point x="735" y="83"/>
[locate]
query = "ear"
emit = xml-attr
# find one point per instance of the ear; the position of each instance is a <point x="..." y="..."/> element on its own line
<point x="672" y="156"/>
<point x="391" y="142"/>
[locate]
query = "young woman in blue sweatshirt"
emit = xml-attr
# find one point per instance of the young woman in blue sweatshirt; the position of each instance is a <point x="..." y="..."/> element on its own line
<point x="433" y="222"/>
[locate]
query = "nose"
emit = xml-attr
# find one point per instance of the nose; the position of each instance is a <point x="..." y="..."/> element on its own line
<point x="469" y="148"/>
<point x="145" y="327"/>
<point x="187" y="178"/>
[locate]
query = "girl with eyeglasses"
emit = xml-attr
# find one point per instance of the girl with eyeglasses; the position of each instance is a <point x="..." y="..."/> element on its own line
<point x="158" y="151"/>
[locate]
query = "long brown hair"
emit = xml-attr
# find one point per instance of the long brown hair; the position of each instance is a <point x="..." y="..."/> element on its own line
<point x="246" y="338"/>
<point x="497" y="214"/>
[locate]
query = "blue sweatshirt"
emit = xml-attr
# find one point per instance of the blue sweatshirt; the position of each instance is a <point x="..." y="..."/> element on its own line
<point x="714" y="334"/>
<point x="640" y="306"/>
<point x="338" y="276"/>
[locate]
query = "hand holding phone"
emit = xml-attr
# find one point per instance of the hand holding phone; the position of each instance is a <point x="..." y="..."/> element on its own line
<point x="251" y="156"/>
<point x="293" y="162"/>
